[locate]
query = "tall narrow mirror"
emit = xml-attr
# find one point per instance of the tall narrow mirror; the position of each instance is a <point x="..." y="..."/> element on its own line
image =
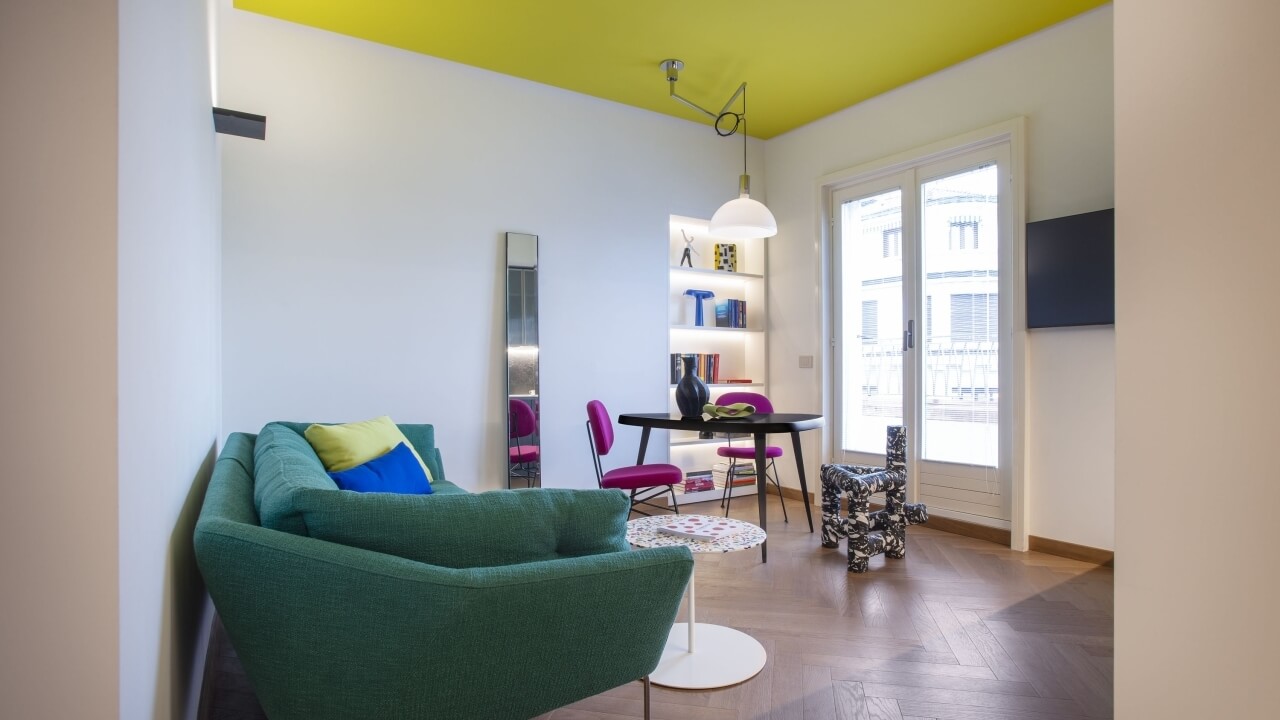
<point x="524" y="451"/>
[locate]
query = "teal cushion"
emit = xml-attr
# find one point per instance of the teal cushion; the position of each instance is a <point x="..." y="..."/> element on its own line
<point x="397" y="471"/>
<point x="464" y="530"/>
<point x="285" y="467"/>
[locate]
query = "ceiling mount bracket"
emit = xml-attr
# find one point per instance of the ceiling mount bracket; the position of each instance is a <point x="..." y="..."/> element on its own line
<point x="672" y="68"/>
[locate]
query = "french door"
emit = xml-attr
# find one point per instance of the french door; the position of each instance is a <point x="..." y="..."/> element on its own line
<point x="918" y="257"/>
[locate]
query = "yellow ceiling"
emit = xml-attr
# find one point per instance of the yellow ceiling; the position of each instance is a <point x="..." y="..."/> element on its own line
<point x="801" y="59"/>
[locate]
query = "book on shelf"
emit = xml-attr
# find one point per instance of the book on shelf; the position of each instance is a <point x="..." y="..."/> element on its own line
<point x="698" y="480"/>
<point x="731" y="313"/>
<point x="743" y="474"/>
<point x="706" y="366"/>
<point x="703" y="528"/>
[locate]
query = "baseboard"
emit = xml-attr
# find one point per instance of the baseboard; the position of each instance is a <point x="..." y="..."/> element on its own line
<point x="1061" y="548"/>
<point x="970" y="529"/>
<point x="795" y="494"/>
<point x="965" y="528"/>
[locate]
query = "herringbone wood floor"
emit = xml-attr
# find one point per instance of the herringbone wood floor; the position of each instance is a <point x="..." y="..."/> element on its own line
<point x="961" y="629"/>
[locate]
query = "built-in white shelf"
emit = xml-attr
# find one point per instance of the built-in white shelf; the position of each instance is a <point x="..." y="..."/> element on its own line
<point x="682" y="442"/>
<point x="743" y="352"/>
<point x="708" y="328"/>
<point x="717" y="273"/>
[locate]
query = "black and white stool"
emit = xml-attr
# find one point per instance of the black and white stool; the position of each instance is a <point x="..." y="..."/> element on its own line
<point x="871" y="533"/>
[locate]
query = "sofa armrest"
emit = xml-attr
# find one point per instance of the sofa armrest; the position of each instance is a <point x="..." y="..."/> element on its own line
<point x="502" y="527"/>
<point x="327" y="631"/>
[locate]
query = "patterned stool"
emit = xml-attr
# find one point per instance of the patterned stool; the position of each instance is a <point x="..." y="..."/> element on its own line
<point x="871" y="533"/>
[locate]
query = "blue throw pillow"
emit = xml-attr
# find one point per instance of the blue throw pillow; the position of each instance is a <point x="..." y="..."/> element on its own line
<point x="396" y="472"/>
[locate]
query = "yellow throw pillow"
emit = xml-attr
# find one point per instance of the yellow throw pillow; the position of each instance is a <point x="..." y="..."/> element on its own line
<point x="342" y="447"/>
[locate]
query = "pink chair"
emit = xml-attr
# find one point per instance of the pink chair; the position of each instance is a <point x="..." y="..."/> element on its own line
<point x="522" y="459"/>
<point x="747" y="453"/>
<point x="636" y="479"/>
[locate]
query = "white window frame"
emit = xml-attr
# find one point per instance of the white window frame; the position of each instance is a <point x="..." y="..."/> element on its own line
<point x="1014" y="394"/>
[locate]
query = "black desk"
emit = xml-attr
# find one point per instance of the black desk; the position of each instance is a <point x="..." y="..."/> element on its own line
<point x="758" y="426"/>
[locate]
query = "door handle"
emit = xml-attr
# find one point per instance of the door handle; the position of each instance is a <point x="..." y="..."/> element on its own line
<point x="909" y="336"/>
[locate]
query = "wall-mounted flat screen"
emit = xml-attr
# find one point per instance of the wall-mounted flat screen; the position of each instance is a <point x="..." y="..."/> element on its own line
<point x="1071" y="270"/>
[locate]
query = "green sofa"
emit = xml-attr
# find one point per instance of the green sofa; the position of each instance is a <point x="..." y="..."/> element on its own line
<point x="503" y="604"/>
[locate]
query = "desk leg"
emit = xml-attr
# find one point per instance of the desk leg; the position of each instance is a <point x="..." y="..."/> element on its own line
<point x="762" y="487"/>
<point x="804" y="486"/>
<point x="644" y="445"/>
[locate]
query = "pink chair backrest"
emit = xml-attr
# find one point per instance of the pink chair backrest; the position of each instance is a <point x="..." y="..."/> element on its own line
<point x="522" y="420"/>
<point x="601" y="426"/>
<point x="761" y="402"/>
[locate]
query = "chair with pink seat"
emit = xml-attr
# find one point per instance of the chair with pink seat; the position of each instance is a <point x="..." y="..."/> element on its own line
<point x="747" y="453"/>
<point x="656" y="480"/>
<point x="523" y="455"/>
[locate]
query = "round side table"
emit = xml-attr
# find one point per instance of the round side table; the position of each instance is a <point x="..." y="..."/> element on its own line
<point x="700" y="656"/>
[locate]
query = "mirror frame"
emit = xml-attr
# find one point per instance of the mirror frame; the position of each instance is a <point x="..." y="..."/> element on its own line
<point x="522" y="350"/>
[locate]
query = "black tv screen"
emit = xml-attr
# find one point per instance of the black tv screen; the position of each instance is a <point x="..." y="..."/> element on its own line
<point x="1071" y="270"/>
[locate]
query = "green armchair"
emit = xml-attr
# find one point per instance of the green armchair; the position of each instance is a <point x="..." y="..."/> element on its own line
<point x="495" y="627"/>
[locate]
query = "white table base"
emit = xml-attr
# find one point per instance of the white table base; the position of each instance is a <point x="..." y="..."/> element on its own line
<point x="699" y="656"/>
<point x="724" y="656"/>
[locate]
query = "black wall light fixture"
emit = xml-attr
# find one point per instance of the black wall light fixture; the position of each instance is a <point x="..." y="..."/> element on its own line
<point x="234" y="122"/>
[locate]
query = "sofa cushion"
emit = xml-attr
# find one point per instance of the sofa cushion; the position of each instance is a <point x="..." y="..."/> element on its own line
<point x="422" y="438"/>
<point x="397" y="471"/>
<point x="341" y="447"/>
<point x="463" y="530"/>
<point x="285" y="467"/>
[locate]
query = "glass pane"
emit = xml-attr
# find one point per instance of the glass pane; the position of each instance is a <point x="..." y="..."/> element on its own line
<point x="961" y="341"/>
<point x="871" y="289"/>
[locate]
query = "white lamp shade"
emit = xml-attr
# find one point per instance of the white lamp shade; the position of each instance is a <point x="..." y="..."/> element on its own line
<point x="743" y="219"/>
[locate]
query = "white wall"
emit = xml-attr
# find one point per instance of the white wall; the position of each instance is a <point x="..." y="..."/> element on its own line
<point x="363" y="255"/>
<point x="58" y="630"/>
<point x="1196" y="482"/>
<point x="169" y="352"/>
<point x="1060" y="80"/>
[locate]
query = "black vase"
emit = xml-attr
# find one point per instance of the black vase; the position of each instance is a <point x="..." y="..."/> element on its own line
<point x="691" y="392"/>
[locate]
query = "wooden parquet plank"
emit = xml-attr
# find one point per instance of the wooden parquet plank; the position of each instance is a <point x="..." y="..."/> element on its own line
<point x="942" y="682"/>
<point x="922" y="622"/>
<point x="859" y="648"/>
<point x="946" y="711"/>
<point x="753" y="699"/>
<point x="819" y="694"/>
<point x="1095" y="703"/>
<point x="992" y="652"/>
<point x="787" y="688"/>
<point x="851" y="701"/>
<point x="961" y="646"/>
<point x="900" y="666"/>
<point x="1093" y="700"/>
<point x="1034" y="667"/>
<point x="998" y="701"/>
<point x="897" y="604"/>
<point x="883" y="709"/>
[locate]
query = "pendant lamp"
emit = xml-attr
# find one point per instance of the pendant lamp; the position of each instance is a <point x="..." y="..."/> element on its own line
<point x="741" y="218"/>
